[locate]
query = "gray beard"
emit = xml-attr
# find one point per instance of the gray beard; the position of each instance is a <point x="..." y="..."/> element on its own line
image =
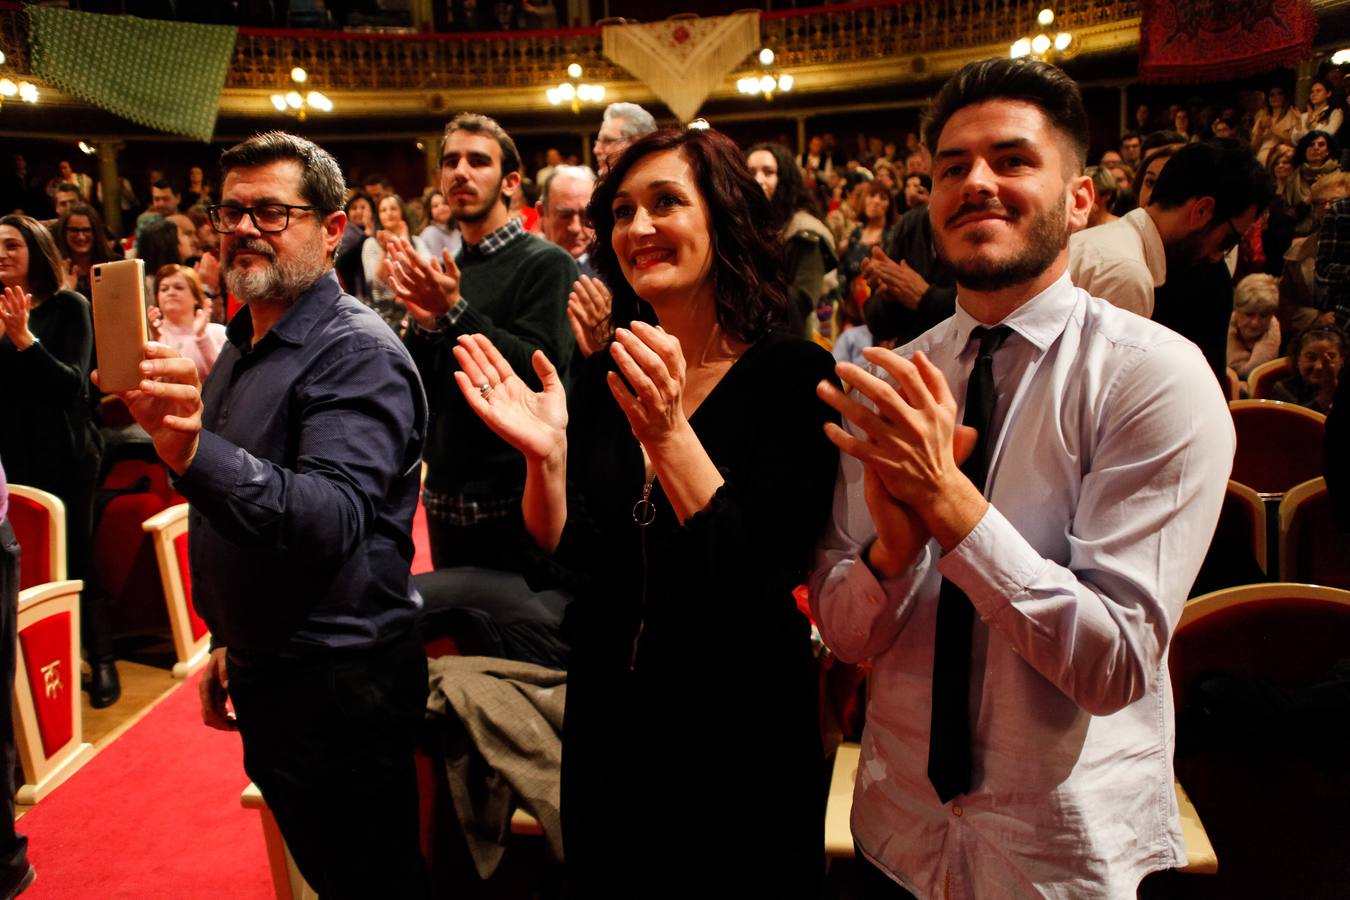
<point x="281" y="282"/>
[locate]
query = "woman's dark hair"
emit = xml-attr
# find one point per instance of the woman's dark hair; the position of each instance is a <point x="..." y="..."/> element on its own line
<point x="98" y="251"/>
<point x="1270" y="110"/>
<point x="791" y="194"/>
<point x="157" y="244"/>
<point x="749" y="295"/>
<point x="359" y="195"/>
<point x="1301" y="150"/>
<point x="402" y="208"/>
<point x="1319" y="333"/>
<point x="1027" y="80"/>
<point x="44" y="262"/>
<point x="875" y="189"/>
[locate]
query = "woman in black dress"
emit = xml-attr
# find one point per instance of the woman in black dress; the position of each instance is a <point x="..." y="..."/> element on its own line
<point x="46" y="437"/>
<point x="679" y="495"/>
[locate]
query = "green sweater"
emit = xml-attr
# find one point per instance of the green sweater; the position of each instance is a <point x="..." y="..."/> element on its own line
<point x="518" y="298"/>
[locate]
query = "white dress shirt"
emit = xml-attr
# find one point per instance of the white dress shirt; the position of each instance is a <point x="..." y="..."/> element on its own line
<point x="1105" y="484"/>
<point x="1121" y="261"/>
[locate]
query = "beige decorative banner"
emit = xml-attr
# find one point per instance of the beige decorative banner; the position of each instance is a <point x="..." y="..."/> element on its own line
<point x="683" y="60"/>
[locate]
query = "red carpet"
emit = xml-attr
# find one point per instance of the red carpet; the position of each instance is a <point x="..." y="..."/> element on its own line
<point x="156" y="814"/>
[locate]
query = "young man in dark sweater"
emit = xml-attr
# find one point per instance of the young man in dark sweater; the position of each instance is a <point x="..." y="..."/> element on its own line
<point x="509" y="285"/>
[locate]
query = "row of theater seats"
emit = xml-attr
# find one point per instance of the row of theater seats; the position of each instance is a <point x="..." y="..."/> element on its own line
<point x="1260" y="380"/>
<point x="48" y="713"/>
<point x="1277" y="512"/>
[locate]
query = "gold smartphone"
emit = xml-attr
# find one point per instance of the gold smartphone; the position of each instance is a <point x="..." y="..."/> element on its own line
<point x="119" y="323"/>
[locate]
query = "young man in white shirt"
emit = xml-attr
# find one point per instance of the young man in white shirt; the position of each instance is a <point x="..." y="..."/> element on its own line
<point x="1017" y="609"/>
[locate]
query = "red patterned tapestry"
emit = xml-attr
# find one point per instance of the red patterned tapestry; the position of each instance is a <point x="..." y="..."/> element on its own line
<point x="1218" y="40"/>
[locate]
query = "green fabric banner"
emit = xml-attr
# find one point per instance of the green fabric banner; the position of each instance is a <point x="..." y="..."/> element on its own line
<point x="164" y="75"/>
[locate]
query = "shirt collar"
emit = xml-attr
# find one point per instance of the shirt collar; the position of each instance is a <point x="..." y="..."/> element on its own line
<point x="498" y="240"/>
<point x="307" y="311"/>
<point x="1155" y="254"/>
<point x="1040" y="321"/>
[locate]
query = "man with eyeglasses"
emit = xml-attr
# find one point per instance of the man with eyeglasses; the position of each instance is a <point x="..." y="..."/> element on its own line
<point x="301" y="459"/>
<point x="623" y="123"/>
<point x="1166" y="261"/>
<point x="562" y="212"/>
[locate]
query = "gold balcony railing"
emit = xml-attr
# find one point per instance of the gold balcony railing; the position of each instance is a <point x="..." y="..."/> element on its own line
<point x="849" y="33"/>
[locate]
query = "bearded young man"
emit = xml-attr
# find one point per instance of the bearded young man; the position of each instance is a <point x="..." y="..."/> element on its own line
<point x="511" y="286"/>
<point x="301" y="458"/>
<point x="1016" y="579"/>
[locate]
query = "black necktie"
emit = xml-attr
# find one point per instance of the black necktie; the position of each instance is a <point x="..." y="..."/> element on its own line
<point x="949" y="736"/>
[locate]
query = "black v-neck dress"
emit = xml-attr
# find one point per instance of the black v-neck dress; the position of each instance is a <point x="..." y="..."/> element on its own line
<point x="692" y="762"/>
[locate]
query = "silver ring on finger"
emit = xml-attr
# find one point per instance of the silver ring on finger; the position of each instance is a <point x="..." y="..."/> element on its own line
<point x="484" y="389"/>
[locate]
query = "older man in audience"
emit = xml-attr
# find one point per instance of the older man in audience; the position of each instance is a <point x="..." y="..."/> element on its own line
<point x="1017" y="606"/>
<point x="301" y="459"/>
<point x="1302" y="302"/>
<point x="623" y="123"/>
<point x="562" y="212"/>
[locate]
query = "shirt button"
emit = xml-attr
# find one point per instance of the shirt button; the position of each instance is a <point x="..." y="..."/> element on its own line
<point x="956" y="810"/>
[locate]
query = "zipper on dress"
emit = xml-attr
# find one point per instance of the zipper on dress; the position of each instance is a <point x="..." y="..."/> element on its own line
<point x="644" y="512"/>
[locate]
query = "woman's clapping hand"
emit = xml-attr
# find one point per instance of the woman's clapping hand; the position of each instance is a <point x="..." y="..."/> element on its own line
<point x="534" y="422"/>
<point x="653" y="364"/>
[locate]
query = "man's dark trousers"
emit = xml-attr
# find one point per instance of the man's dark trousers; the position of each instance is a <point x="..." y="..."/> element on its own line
<point x="329" y="741"/>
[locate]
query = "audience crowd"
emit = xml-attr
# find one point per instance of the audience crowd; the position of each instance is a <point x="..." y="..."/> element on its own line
<point x="525" y="311"/>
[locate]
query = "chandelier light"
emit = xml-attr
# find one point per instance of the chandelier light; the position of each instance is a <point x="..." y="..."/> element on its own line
<point x="297" y="104"/>
<point x="768" y="83"/>
<point x="1043" y="45"/>
<point x="574" y="92"/>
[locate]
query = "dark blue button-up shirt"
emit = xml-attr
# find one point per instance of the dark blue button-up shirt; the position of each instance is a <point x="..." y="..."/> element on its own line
<point x="305" y="481"/>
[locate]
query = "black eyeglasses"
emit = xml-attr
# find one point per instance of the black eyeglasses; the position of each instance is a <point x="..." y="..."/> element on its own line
<point x="1234" y="237"/>
<point x="268" y="217"/>
<point x="71" y="230"/>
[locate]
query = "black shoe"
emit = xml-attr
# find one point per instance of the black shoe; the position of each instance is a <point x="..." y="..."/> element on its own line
<point x="104" y="686"/>
<point x="16" y="883"/>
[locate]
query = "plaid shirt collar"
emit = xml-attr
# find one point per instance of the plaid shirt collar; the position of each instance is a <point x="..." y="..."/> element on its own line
<point x="498" y="240"/>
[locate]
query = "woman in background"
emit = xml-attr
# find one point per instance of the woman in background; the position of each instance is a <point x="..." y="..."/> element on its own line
<point x="1318" y="355"/>
<point x="1316" y="155"/>
<point x="1323" y="113"/>
<point x="1275" y="124"/>
<point x="809" y="247"/>
<point x="376" y="266"/>
<point x="878" y="215"/>
<point x="1254" y="332"/>
<point x="181" y="317"/>
<point x="441" y="233"/>
<point x="47" y="438"/>
<point x="83" y="244"/>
